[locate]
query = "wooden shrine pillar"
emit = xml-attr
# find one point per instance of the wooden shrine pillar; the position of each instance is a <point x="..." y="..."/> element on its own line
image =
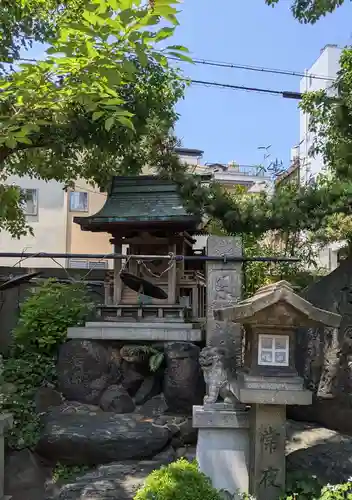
<point x="172" y="277"/>
<point x="117" y="270"/>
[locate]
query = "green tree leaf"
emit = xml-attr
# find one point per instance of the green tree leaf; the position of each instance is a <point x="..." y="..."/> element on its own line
<point x="181" y="56"/>
<point x="100" y="59"/>
<point x="97" y="114"/>
<point x="109" y="122"/>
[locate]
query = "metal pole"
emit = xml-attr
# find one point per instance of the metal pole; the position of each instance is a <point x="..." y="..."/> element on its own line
<point x="113" y="256"/>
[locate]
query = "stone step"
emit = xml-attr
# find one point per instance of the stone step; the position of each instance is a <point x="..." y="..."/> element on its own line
<point x="142" y="332"/>
<point x="141" y="324"/>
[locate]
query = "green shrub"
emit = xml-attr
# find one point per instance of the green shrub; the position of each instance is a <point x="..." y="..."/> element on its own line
<point x="23" y="373"/>
<point x="337" y="491"/>
<point x="65" y="473"/>
<point x="42" y="326"/>
<point x="300" y="486"/>
<point x="48" y="312"/>
<point x="180" y="480"/>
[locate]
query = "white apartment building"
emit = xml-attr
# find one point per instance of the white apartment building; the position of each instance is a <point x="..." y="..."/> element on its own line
<point x="320" y="75"/>
<point x="50" y="210"/>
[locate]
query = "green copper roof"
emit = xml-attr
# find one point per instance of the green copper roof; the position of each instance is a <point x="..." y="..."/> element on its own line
<point x="133" y="200"/>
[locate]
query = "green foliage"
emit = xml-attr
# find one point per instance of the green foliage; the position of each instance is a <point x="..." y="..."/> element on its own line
<point x="180" y="480"/>
<point x="97" y="103"/>
<point x="156" y="357"/>
<point x="299" y="486"/>
<point x="288" y="209"/>
<point x="63" y="472"/>
<point x="23" y="373"/>
<point x="48" y="312"/>
<point x="302" y="487"/>
<point x="273" y="244"/>
<point x="310" y="11"/>
<point x="44" y="319"/>
<point x="23" y="22"/>
<point x="300" y="274"/>
<point x="155" y="361"/>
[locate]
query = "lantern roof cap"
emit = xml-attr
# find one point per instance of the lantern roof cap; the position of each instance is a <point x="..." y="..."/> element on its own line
<point x="281" y="297"/>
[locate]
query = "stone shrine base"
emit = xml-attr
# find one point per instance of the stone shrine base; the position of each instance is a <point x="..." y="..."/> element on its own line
<point x="134" y="331"/>
<point x="223" y="445"/>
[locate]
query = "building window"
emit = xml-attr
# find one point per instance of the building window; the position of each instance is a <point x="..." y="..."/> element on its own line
<point x="30" y="201"/>
<point x="273" y="350"/>
<point x="87" y="264"/>
<point x="103" y="264"/>
<point x="78" y="264"/>
<point x="78" y="201"/>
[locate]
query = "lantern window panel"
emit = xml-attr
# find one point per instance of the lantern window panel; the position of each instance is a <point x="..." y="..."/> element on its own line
<point x="273" y="350"/>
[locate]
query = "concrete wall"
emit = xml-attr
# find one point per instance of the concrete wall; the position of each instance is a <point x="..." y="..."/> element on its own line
<point x="84" y="241"/>
<point x="54" y="230"/>
<point x="49" y="225"/>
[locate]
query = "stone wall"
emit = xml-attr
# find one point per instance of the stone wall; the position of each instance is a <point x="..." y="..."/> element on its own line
<point x="324" y="355"/>
<point x="109" y="405"/>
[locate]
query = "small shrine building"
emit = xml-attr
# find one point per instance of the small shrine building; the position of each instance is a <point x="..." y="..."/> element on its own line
<point x="164" y="296"/>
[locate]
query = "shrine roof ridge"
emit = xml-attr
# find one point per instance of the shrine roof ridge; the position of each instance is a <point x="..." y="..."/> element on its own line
<point x="267" y="296"/>
<point x="139" y="200"/>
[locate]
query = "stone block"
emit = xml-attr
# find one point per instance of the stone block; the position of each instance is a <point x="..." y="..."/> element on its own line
<point x="223" y="290"/>
<point x="268" y="436"/>
<point x="223" y="447"/>
<point x="217" y="417"/>
<point x="141" y="332"/>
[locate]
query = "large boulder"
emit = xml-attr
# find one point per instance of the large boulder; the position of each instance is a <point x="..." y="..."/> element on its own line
<point x="151" y="386"/>
<point x="324" y="354"/>
<point x="73" y="408"/>
<point x="153" y="407"/>
<point x="132" y="377"/>
<point x="183" y="381"/>
<point x="310" y="449"/>
<point x="91" y="439"/>
<point x="313" y="450"/>
<point x="46" y="398"/>
<point x="117" y="399"/>
<point x="116" y="481"/>
<point x="85" y="369"/>
<point x="25" y="476"/>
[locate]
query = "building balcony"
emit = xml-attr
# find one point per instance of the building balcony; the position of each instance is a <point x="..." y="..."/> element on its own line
<point x="246" y="175"/>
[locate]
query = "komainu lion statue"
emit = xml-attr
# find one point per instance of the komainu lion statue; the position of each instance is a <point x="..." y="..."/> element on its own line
<point x="213" y="363"/>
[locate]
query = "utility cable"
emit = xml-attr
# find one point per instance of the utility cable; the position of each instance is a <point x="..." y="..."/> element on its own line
<point x="261" y="69"/>
<point x="283" y="93"/>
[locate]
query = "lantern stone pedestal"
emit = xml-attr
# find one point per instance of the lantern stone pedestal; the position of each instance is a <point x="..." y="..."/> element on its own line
<point x="6" y="422"/>
<point x="268" y="380"/>
<point x="223" y="445"/>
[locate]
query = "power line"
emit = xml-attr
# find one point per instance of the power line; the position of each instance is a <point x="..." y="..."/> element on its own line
<point x="222" y="64"/>
<point x="261" y="69"/>
<point x="283" y="93"/>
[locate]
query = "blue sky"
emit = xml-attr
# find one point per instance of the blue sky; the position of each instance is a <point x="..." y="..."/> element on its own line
<point x="230" y="125"/>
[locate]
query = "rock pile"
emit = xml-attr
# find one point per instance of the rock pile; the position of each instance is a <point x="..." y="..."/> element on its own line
<point x="310" y="450"/>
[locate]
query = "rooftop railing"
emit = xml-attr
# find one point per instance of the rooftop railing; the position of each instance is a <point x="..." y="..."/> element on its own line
<point x="247" y="170"/>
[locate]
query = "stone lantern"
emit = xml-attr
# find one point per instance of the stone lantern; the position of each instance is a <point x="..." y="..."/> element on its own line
<point x="268" y="380"/>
